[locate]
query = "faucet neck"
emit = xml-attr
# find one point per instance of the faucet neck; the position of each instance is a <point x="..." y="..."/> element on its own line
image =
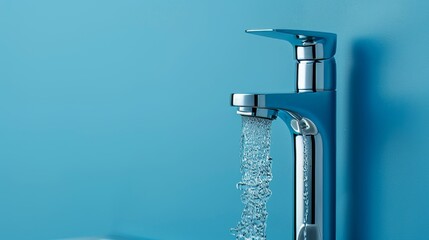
<point x="316" y="75"/>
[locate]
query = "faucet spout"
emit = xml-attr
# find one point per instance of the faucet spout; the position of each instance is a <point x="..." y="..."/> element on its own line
<point x="317" y="106"/>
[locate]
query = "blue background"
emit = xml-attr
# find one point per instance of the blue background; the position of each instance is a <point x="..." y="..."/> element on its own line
<point x="115" y="117"/>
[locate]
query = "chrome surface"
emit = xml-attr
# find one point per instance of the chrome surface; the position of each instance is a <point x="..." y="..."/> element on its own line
<point x="310" y="113"/>
<point x="304" y="126"/>
<point x="318" y="75"/>
<point x="309" y="45"/>
<point x="314" y="54"/>
<point x="315" y="181"/>
<point x="257" y="112"/>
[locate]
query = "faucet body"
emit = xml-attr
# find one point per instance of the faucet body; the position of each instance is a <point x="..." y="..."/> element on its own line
<point x="310" y="114"/>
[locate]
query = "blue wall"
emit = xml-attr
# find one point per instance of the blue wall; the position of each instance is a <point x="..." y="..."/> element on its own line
<point x="114" y="115"/>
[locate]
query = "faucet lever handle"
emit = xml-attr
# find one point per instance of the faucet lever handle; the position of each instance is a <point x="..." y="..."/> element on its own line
<point x="308" y="45"/>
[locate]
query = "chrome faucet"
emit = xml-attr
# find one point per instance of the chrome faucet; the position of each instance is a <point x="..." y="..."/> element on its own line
<point x="310" y="114"/>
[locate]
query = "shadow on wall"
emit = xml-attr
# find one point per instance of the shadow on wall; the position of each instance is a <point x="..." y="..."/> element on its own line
<point x="372" y="121"/>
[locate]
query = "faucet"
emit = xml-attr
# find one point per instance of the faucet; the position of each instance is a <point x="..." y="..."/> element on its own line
<point x="310" y="114"/>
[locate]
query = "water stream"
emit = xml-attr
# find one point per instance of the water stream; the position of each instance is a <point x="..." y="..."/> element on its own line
<point x="256" y="176"/>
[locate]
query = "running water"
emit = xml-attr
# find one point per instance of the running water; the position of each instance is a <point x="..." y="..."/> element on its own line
<point x="256" y="176"/>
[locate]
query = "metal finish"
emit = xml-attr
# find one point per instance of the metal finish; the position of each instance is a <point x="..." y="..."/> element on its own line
<point x="310" y="114"/>
<point x="257" y="112"/>
<point x="314" y="54"/>
<point x="309" y="45"/>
